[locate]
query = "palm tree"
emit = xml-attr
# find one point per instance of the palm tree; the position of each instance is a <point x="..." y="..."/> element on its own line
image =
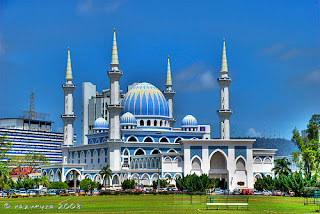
<point x="106" y="173"/>
<point x="4" y="175"/>
<point x="282" y="167"/>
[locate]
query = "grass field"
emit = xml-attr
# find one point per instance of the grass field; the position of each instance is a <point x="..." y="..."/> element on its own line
<point x="147" y="204"/>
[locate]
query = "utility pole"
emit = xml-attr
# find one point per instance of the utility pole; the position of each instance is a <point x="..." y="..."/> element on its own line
<point x="158" y="167"/>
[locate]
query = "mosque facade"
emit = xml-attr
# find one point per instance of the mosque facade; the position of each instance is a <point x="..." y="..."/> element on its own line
<point x="139" y="141"/>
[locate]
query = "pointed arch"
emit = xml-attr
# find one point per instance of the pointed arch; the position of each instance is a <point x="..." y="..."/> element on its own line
<point x="132" y="138"/>
<point x="140" y="151"/>
<point x="148" y="139"/>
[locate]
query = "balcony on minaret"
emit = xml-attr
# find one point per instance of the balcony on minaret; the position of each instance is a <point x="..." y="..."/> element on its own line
<point x="115" y="72"/>
<point x="68" y="86"/>
<point x="224" y="110"/>
<point x="224" y="79"/>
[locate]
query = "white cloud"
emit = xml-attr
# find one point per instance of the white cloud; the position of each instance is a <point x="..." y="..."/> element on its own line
<point x="87" y="7"/>
<point x="312" y="77"/>
<point x="196" y="77"/>
<point x="253" y="133"/>
<point x="274" y="48"/>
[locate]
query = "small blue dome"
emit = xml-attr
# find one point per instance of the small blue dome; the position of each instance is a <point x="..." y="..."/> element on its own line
<point x="100" y="123"/>
<point x="189" y="121"/>
<point x="128" y="119"/>
<point x="145" y="99"/>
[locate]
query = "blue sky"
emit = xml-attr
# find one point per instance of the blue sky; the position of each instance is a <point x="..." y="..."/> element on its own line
<point x="273" y="51"/>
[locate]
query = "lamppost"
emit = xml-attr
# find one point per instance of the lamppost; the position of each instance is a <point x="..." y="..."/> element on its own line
<point x="158" y="164"/>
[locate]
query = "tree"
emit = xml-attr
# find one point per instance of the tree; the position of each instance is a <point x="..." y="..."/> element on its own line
<point x="308" y="149"/>
<point x="4" y="175"/>
<point x="282" y="167"/>
<point x="105" y="173"/>
<point x="88" y="184"/>
<point x="128" y="184"/>
<point x="315" y="119"/>
<point x="163" y="184"/>
<point x="5" y="146"/>
<point x="58" y="185"/>
<point x="35" y="160"/>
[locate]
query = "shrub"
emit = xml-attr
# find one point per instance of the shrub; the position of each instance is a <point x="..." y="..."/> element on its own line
<point x="58" y="185"/>
<point x="128" y="184"/>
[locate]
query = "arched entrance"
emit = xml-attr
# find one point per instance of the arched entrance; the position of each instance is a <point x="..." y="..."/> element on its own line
<point x="73" y="178"/>
<point x="145" y="180"/>
<point x="218" y="169"/>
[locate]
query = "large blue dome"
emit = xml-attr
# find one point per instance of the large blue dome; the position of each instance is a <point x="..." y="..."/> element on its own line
<point x="100" y="124"/>
<point x="145" y="100"/>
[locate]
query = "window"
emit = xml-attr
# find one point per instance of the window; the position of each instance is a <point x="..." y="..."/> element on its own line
<point x="141" y="123"/>
<point x="139" y="152"/>
<point x="148" y="123"/>
<point x="148" y="139"/>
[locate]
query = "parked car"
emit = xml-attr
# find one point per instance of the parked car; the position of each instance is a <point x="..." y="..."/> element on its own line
<point x="3" y="193"/>
<point x="291" y="193"/>
<point x="31" y="192"/>
<point x="71" y="192"/>
<point x="52" y="192"/>
<point x="217" y="191"/>
<point x="246" y="192"/>
<point x="12" y="192"/>
<point x="267" y="193"/>
<point x="236" y="192"/>
<point x="95" y="192"/>
<point x="256" y="192"/>
<point x="23" y="193"/>
<point x="278" y="193"/>
<point x="82" y="192"/>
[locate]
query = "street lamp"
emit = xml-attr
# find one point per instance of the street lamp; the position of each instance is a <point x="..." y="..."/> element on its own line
<point x="158" y="163"/>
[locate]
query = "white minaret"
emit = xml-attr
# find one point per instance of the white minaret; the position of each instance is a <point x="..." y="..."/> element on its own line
<point x="115" y="107"/>
<point x="169" y="93"/>
<point x="68" y="117"/>
<point x="224" y="112"/>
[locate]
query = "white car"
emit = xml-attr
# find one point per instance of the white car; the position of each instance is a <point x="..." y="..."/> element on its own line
<point x="267" y="193"/>
<point x="23" y="193"/>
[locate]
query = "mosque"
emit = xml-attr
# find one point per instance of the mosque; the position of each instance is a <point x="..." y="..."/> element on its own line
<point x="139" y="141"/>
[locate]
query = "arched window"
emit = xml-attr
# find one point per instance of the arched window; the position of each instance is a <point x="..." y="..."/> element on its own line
<point x="148" y="139"/>
<point x="126" y="152"/>
<point x="132" y="139"/>
<point x="171" y="151"/>
<point x="148" y="123"/>
<point x="177" y="140"/>
<point x="155" y="123"/>
<point x="240" y="165"/>
<point x="196" y="164"/>
<point x="141" y="123"/>
<point x="139" y="152"/>
<point x="156" y="151"/>
<point x="160" y="122"/>
<point x="164" y="140"/>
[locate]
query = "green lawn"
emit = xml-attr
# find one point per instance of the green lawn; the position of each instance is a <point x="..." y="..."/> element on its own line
<point x="149" y="204"/>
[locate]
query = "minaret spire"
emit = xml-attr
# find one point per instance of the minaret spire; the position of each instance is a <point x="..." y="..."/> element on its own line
<point x="169" y="93"/>
<point x="224" y="65"/>
<point x="114" y="56"/>
<point x="69" y="70"/>
<point x="68" y="117"/>
<point x="224" y="112"/>
<point x="168" y="79"/>
<point x="114" y="108"/>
